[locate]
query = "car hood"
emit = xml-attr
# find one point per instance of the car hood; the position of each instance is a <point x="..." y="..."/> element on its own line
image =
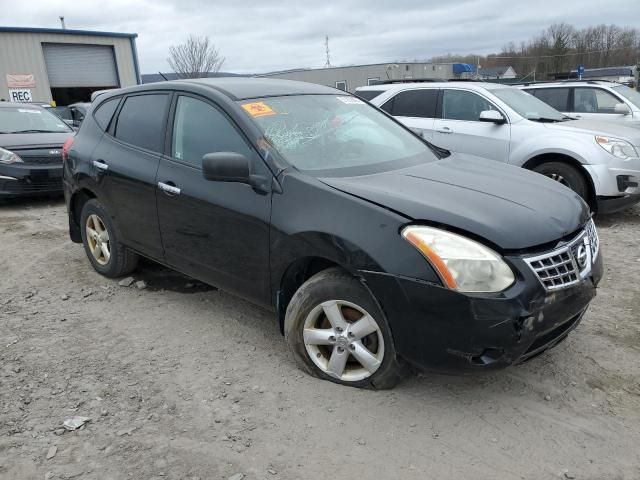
<point x="13" y="140"/>
<point x="510" y="207"/>
<point x="595" y="127"/>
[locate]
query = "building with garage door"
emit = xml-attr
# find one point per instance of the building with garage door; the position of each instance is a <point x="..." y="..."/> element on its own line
<point x="66" y="66"/>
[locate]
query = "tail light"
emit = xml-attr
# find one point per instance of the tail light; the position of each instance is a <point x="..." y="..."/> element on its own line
<point x="65" y="148"/>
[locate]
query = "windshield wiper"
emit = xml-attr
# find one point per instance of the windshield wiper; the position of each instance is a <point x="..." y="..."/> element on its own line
<point x="545" y="119"/>
<point x="35" y="130"/>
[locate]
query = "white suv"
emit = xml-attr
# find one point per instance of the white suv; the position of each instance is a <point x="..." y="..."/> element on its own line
<point x="591" y="100"/>
<point x="598" y="160"/>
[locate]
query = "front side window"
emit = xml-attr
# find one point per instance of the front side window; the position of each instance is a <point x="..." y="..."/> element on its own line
<point x="341" y="134"/>
<point x="141" y="121"/>
<point x="30" y="120"/>
<point x="594" y="100"/>
<point x="463" y="105"/>
<point x="557" y="98"/>
<point x="200" y="128"/>
<point x="413" y="103"/>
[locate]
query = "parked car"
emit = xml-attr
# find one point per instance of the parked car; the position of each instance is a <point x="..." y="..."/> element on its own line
<point x="371" y="247"/>
<point x="591" y="100"/>
<point x="598" y="160"/>
<point x="72" y="114"/>
<point x="31" y="140"/>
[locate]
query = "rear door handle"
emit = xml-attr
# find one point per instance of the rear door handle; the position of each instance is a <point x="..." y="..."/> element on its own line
<point x="168" y="189"/>
<point x="444" y="130"/>
<point x="100" y="165"/>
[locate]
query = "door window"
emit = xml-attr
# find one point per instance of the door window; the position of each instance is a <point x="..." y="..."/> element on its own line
<point x="413" y="103"/>
<point x="594" y="100"/>
<point x="557" y="98"/>
<point x="200" y="128"/>
<point x="141" y="121"/>
<point x="463" y="105"/>
<point x="105" y="111"/>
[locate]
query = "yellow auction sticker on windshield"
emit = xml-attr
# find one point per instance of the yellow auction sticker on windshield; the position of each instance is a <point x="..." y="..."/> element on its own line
<point x="258" y="109"/>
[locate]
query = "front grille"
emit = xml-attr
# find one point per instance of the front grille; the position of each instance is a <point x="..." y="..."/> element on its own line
<point x="567" y="265"/>
<point x="38" y="185"/>
<point x="43" y="160"/>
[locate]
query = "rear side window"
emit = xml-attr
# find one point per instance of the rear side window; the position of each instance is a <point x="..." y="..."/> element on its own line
<point x="557" y="98"/>
<point x="141" y="121"/>
<point x="105" y="111"/>
<point x="413" y="103"/>
<point x="200" y="128"/>
<point x="368" y="94"/>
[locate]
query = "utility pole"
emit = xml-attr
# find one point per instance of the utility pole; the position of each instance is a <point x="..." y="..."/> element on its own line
<point x="326" y="47"/>
<point x="64" y="27"/>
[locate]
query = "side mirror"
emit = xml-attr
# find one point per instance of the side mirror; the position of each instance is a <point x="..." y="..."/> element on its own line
<point x="622" y="109"/>
<point x="492" y="116"/>
<point x="226" y="167"/>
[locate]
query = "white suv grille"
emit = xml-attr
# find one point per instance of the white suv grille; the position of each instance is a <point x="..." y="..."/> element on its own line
<point x="567" y="265"/>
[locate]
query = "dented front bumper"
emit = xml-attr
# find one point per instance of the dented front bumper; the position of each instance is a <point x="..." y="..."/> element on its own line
<point x="439" y="329"/>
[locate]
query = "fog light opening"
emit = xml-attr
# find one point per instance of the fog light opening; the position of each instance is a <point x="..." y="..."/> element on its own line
<point x="489" y="356"/>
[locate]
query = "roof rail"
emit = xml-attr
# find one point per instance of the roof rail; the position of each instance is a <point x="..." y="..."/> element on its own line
<point x="571" y="80"/>
<point x="423" y="80"/>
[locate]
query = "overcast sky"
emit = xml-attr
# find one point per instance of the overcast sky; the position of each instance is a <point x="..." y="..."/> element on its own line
<point x="290" y="33"/>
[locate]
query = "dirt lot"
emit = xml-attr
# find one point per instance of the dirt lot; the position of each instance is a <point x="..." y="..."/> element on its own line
<point x="182" y="381"/>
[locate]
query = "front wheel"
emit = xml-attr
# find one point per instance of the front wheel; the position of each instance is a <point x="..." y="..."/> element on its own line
<point x="337" y="332"/>
<point x="567" y="175"/>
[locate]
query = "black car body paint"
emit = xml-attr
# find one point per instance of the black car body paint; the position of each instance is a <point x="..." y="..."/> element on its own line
<point x="249" y="242"/>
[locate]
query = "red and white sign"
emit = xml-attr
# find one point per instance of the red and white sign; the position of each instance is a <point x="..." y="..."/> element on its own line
<point x="20" y="80"/>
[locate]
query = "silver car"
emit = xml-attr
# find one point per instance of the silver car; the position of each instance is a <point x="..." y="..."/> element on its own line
<point x="598" y="160"/>
<point x="591" y="100"/>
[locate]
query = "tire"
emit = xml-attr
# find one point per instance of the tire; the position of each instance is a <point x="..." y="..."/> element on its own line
<point x="94" y="219"/>
<point x="567" y="175"/>
<point x="348" y="301"/>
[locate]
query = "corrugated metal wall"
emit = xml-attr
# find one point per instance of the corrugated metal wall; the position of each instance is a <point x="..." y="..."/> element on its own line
<point x="21" y="52"/>
<point x="358" y="75"/>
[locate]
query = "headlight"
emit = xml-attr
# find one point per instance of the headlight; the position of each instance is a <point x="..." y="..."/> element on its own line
<point x="616" y="147"/>
<point x="463" y="264"/>
<point x="9" y="157"/>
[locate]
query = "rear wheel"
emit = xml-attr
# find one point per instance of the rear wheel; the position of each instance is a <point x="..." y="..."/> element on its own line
<point x="567" y="175"/>
<point x="337" y="332"/>
<point x="99" y="237"/>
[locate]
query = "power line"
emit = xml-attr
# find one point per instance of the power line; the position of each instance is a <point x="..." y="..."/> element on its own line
<point x="589" y="52"/>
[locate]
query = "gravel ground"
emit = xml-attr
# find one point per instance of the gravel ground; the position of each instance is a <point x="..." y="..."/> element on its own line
<point x="181" y="381"/>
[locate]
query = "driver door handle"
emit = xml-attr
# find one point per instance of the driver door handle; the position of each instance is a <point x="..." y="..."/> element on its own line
<point x="168" y="189"/>
<point x="444" y="130"/>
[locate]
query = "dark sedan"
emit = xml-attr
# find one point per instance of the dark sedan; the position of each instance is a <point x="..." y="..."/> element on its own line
<point x="372" y="247"/>
<point x="31" y="141"/>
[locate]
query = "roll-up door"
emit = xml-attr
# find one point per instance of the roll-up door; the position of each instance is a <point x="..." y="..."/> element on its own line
<point x="71" y="65"/>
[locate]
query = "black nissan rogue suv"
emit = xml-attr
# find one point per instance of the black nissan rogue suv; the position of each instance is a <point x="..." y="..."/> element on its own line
<point x="372" y="247"/>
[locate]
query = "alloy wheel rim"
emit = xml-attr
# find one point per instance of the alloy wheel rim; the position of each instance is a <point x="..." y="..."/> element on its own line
<point x="343" y="340"/>
<point x="558" y="178"/>
<point x="98" y="239"/>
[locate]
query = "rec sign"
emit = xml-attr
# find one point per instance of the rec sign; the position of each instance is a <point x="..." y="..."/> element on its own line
<point x="20" y="95"/>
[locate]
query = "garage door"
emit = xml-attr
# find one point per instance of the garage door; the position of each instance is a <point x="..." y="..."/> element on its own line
<point x="71" y="65"/>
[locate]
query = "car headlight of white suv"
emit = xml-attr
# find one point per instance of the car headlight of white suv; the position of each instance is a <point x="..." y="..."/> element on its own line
<point x="617" y="147"/>
<point x="7" y="156"/>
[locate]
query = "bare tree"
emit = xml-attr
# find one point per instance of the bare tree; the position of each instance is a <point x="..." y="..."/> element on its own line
<point x="195" y="58"/>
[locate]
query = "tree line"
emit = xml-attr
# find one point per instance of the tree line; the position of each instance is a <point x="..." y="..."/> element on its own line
<point x="561" y="48"/>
